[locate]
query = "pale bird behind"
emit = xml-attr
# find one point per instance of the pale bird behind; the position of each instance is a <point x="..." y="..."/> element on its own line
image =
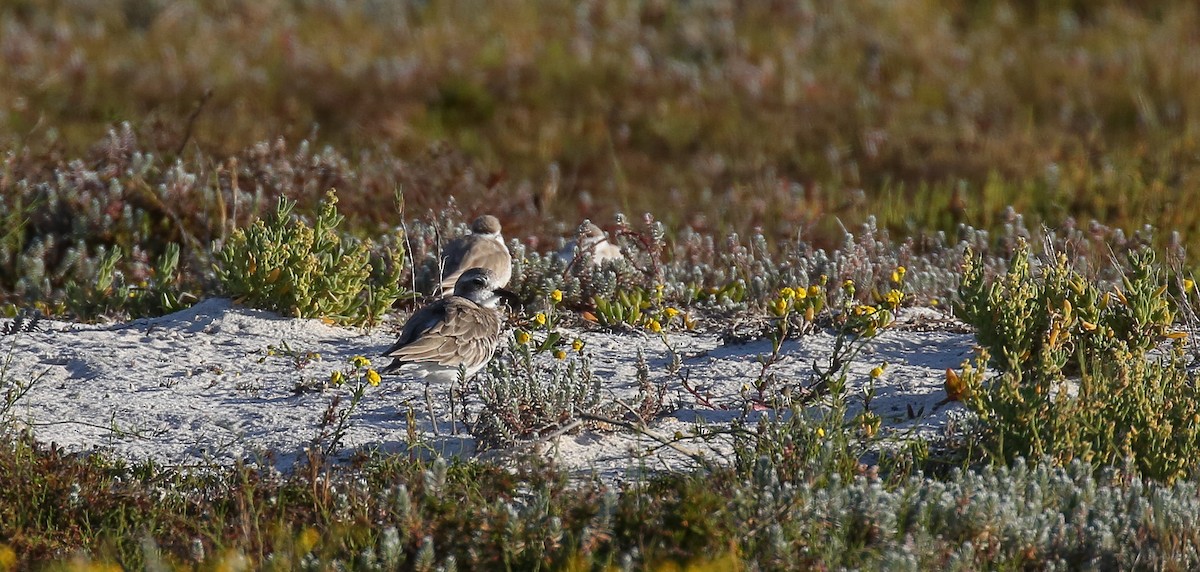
<point x="483" y="247"/>
<point x="590" y="240"/>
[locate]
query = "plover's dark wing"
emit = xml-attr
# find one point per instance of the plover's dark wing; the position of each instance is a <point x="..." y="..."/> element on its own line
<point x="419" y="323"/>
<point x="466" y="334"/>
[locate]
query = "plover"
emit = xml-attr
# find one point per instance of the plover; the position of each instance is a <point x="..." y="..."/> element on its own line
<point x="590" y="240"/>
<point x="482" y="248"/>
<point x="457" y="331"/>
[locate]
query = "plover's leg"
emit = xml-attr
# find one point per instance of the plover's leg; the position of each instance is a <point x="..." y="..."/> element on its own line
<point x="433" y="420"/>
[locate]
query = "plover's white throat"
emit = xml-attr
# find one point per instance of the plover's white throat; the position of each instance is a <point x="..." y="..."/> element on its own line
<point x="591" y="240"/>
<point x="482" y="248"/>
<point x="457" y="331"/>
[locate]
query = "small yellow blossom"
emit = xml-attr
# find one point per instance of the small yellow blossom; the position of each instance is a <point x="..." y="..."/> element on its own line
<point x="539" y="318"/>
<point x="898" y="274"/>
<point x="654" y="326"/>
<point x="814" y="290"/>
<point x="577" y="345"/>
<point x="360" y="361"/>
<point x="556" y="296"/>
<point x="671" y="312"/>
<point x="864" y="310"/>
<point x="522" y="337"/>
<point x="801" y="293"/>
<point x="559" y="354"/>
<point x="780" y="307"/>
<point x="373" y="377"/>
<point x="337" y="377"/>
<point x="848" y="283"/>
<point x="787" y="293"/>
<point x="877" y="372"/>
<point x="821" y="432"/>
<point x="8" y="557"/>
<point x="307" y="540"/>
<point x="1188" y="284"/>
<point x="893" y="298"/>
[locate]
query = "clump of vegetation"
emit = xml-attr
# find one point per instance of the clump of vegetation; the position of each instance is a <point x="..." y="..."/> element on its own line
<point x="283" y="264"/>
<point x="109" y="294"/>
<point x="1079" y="374"/>
<point x="387" y="512"/>
<point x="523" y="397"/>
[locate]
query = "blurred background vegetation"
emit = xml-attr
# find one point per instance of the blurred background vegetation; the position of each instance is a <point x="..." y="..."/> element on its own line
<point x="791" y="117"/>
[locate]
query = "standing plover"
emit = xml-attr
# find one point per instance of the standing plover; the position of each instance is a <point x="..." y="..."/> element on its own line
<point x="590" y="240"/>
<point x="457" y="331"/>
<point x="482" y="248"/>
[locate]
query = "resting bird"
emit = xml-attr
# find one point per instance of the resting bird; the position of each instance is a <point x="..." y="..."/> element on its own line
<point x="482" y="248"/>
<point x="453" y="332"/>
<point x="590" y="240"/>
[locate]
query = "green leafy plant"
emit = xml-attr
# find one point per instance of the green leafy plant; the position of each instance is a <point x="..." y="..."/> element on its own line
<point x="283" y="264"/>
<point x="1077" y="377"/>
<point x="637" y="307"/>
<point x="108" y="293"/>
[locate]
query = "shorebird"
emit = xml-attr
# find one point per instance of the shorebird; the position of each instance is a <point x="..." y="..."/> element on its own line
<point x="482" y="248"/>
<point x="590" y="240"/>
<point x="454" y="332"/>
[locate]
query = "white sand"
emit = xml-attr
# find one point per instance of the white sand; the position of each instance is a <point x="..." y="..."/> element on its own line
<point x="198" y="387"/>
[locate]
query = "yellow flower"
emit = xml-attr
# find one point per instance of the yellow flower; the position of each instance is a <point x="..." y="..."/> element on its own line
<point x="539" y="318"/>
<point x="1188" y="284"/>
<point x="821" y="432"/>
<point x="814" y="290"/>
<point x="522" y="337"/>
<point x="307" y="540"/>
<point x="671" y="312"/>
<point x="373" y="377"/>
<point x="894" y="297"/>
<point x="877" y="372"/>
<point x="934" y="302"/>
<point x="654" y="326"/>
<point x="864" y="310"/>
<point x="8" y="557"/>
<point x="780" y="306"/>
<point x="787" y="293"/>
<point x="360" y="361"/>
<point x="801" y="293"/>
<point x="556" y="295"/>
<point x="898" y="274"/>
<point x="848" y="283"/>
<point x="559" y="354"/>
<point x="577" y="345"/>
<point x="337" y="377"/>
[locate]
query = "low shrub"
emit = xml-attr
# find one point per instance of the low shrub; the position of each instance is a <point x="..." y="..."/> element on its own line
<point x="283" y="264"/>
<point x="1078" y="374"/>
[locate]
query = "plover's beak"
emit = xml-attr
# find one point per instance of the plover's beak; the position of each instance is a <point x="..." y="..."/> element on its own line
<point x="509" y="297"/>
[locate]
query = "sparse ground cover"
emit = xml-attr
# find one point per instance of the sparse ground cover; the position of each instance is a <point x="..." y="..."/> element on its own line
<point x="838" y="164"/>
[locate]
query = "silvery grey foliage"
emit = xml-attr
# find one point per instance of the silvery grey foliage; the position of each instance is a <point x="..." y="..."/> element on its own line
<point x="524" y="394"/>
